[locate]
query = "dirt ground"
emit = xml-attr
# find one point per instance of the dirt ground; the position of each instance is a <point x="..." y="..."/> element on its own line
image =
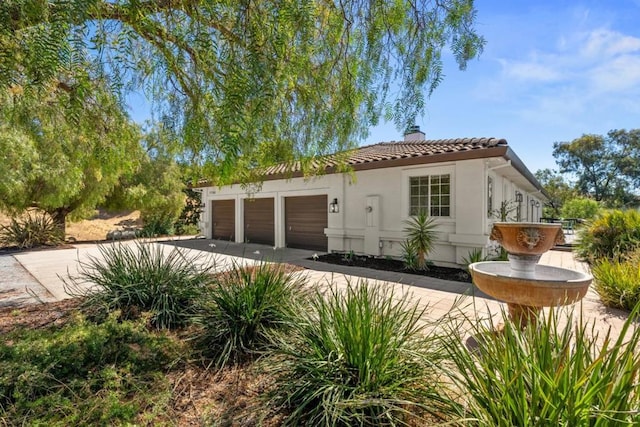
<point x="96" y="227"/>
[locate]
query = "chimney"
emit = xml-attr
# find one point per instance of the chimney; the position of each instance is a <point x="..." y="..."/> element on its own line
<point x="414" y="134"/>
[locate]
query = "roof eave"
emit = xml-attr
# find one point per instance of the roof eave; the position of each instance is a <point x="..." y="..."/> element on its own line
<point x="497" y="151"/>
<point x="503" y="151"/>
<point x="519" y="165"/>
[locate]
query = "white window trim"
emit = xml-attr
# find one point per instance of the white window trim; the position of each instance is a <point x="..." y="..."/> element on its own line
<point x="435" y="170"/>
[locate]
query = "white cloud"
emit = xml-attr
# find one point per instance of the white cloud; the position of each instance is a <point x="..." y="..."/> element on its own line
<point x="532" y="71"/>
<point x="620" y="74"/>
<point x="600" y="60"/>
<point x="603" y="43"/>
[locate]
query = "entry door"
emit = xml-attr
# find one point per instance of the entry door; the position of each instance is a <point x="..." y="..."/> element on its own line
<point x="305" y="221"/>
<point x="224" y="219"/>
<point x="258" y="221"/>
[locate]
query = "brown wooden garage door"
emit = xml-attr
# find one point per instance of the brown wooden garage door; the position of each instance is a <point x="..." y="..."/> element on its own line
<point x="258" y="221"/>
<point x="305" y="221"/>
<point x="223" y="219"/>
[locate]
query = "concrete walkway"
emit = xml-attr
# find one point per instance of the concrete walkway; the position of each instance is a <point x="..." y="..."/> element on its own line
<point x="18" y="286"/>
<point x="40" y="275"/>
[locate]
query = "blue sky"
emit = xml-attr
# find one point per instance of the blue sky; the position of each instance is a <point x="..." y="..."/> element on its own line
<point x="551" y="70"/>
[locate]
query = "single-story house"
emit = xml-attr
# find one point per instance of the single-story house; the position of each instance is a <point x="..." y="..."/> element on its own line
<point x="460" y="182"/>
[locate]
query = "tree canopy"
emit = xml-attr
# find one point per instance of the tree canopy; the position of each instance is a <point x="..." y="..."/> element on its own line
<point x="244" y="83"/>
<point x="157" y="186"/>
<point x="558" y="189"/>
<point x="605" y="166"/>
<point x="63" y="160"/>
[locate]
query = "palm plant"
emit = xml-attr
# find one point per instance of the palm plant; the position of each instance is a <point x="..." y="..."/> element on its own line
<point x="409" y="256"/>
<point x="475" y="255"/>
<point x="421" y="235"/>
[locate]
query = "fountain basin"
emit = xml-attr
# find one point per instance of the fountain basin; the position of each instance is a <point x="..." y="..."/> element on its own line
<point x="549" y="286"/>
<point x="527" y="238"/>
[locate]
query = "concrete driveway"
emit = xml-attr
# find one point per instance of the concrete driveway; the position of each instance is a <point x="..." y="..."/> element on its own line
<point x="28" y="277"/>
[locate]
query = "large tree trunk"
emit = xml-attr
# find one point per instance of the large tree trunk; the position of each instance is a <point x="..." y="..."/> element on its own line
<point x="59" y="217"/>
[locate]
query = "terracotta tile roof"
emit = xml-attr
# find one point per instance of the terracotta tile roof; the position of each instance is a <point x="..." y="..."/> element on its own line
<point x="396" y="150"/>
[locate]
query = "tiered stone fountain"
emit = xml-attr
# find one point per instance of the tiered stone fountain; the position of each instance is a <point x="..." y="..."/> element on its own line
<point x="521" y="282"/>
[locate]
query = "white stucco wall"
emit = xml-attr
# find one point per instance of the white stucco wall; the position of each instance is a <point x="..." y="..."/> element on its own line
<point x="379" y="230"/>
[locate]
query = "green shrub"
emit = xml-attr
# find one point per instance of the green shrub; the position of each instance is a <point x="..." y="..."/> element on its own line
<point x="186" y="230"/>
<point x="83" y="373"/>
<point x="35" y="229"/>
<point x="421" y="236"/>
<point x="187" y="222"/>
<point x="243" y="307"/>
<point x="609" y="236"/>
<point x="618" y="282"/>
<point x="475" y="255"/>
<point x="142" y="278"/>
<point x="555" y="374"/>
<point x="360" y="356"/>
<point x="157" y="225"/>
<point x="580" y="207"/>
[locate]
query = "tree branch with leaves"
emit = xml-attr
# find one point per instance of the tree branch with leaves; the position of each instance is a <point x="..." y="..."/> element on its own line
<point x="604" y="166"/>
<point x="241" y="80"/>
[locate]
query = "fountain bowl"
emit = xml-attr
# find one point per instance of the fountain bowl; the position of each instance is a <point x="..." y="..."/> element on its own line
<point x="527" y="238"/>
<point x="549" y="286"/>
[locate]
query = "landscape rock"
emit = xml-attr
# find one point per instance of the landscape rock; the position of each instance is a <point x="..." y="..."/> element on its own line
<point x="121" y="234"/>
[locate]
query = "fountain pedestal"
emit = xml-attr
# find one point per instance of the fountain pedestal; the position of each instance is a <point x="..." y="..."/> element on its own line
<point x="523" y="315"/>
<point x="522" y="283"/>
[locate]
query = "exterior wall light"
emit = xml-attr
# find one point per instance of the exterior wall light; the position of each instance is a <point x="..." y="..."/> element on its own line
<point x="518" y="197"/>
<point x="519" y="207"/>
<point x="333" y="206"/>
<point x="534" y="204"/>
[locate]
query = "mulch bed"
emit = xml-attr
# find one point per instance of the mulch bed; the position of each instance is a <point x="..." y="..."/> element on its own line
<point x="388" y="264"/>
<point x="37" y="316"/>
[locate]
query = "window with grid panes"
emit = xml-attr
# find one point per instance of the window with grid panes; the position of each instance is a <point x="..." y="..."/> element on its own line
<point x="431" y="194"/>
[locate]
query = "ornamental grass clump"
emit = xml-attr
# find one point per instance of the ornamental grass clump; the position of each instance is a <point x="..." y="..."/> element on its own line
<point x="359" y="356"/>
<point x="555" y="373"/>
<point x="610" y="236"/>
<point x="142" y="278"/>
<point x="243" y="307"/>
<point x="33" y="230"/>
<point x="618" y="282"/>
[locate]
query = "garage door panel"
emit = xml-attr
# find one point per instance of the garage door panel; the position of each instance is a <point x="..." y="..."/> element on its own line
<point x="259" y="221"/>
<point x="223" y="219"/>
<point x="305" y="221"/>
